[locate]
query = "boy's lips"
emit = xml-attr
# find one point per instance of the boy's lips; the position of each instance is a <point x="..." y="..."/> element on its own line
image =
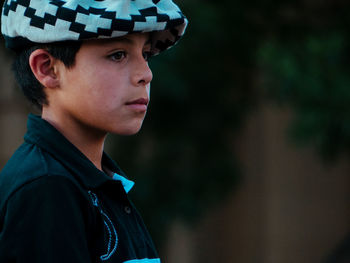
<point x="138" y="104"/>
<point x="138" y="101"/>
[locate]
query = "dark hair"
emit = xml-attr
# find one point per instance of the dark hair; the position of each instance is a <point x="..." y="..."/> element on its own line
<point x="31" y="87"/>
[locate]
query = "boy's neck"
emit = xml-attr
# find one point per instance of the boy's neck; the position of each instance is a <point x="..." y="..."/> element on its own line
<point x="90" y="142"/>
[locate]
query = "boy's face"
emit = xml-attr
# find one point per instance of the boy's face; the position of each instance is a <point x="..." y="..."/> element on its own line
<point x="108" y="87"/>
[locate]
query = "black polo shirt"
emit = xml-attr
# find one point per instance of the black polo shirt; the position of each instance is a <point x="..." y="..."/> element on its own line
<point x="56" y="206"/>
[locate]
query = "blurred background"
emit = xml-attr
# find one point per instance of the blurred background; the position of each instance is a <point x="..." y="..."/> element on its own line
<point x="244" y="153"/>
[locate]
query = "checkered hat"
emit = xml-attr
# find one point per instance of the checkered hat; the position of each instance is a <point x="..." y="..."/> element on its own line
<point x="28" y="22"/>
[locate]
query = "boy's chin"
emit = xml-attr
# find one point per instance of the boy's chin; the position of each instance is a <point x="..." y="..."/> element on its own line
<point x="127" y="130"/>
<point x="129" y="133"/>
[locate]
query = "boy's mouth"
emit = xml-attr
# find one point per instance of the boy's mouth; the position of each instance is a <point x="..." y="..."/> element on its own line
<point x="138" y="101"/>
<point x="138" y="104"/>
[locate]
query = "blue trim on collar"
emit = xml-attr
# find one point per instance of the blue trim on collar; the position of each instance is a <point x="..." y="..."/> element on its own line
<point x="145" y="260"/>
<point x="127" y="184"/>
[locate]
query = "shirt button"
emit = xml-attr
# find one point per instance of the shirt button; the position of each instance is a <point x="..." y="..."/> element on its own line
<point x="127" y="209"/>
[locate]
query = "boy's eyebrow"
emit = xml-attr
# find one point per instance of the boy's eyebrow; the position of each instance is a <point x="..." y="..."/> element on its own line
<point x="130" y="41"/>
<point x="123" y="39"/>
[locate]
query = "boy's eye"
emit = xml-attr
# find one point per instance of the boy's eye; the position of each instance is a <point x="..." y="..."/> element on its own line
<point x="146" y="55"/>
<point x="117" y="56"/>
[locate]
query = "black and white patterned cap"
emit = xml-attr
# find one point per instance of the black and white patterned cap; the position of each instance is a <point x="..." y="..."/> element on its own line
<point x="28" y="22"/>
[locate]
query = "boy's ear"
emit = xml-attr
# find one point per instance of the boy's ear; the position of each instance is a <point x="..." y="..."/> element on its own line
<point x="44" y="68"/>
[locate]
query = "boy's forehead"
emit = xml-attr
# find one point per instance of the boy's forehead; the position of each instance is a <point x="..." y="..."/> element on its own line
<point x="129" y="39"/>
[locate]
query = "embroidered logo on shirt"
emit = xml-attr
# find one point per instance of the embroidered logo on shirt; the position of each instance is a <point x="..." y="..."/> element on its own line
<point x="112" y="233"/>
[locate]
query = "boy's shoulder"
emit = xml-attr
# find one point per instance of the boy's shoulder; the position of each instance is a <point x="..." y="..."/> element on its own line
<point x="28" y="164"/>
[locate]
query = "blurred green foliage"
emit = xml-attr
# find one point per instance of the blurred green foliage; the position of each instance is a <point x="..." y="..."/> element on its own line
<point x="313" y="76"/>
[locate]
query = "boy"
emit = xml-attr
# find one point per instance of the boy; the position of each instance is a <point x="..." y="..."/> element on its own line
<point x="84" y="63"/>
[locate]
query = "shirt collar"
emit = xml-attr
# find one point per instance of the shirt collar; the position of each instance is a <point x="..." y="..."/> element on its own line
<point x="43" y="134"/>
<point x="127" y="184"/>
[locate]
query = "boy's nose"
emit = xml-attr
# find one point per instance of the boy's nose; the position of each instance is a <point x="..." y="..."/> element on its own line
<point x="143" y="74"/>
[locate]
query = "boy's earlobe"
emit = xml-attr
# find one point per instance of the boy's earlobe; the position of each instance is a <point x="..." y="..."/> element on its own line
<point x="43" y="66"/>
